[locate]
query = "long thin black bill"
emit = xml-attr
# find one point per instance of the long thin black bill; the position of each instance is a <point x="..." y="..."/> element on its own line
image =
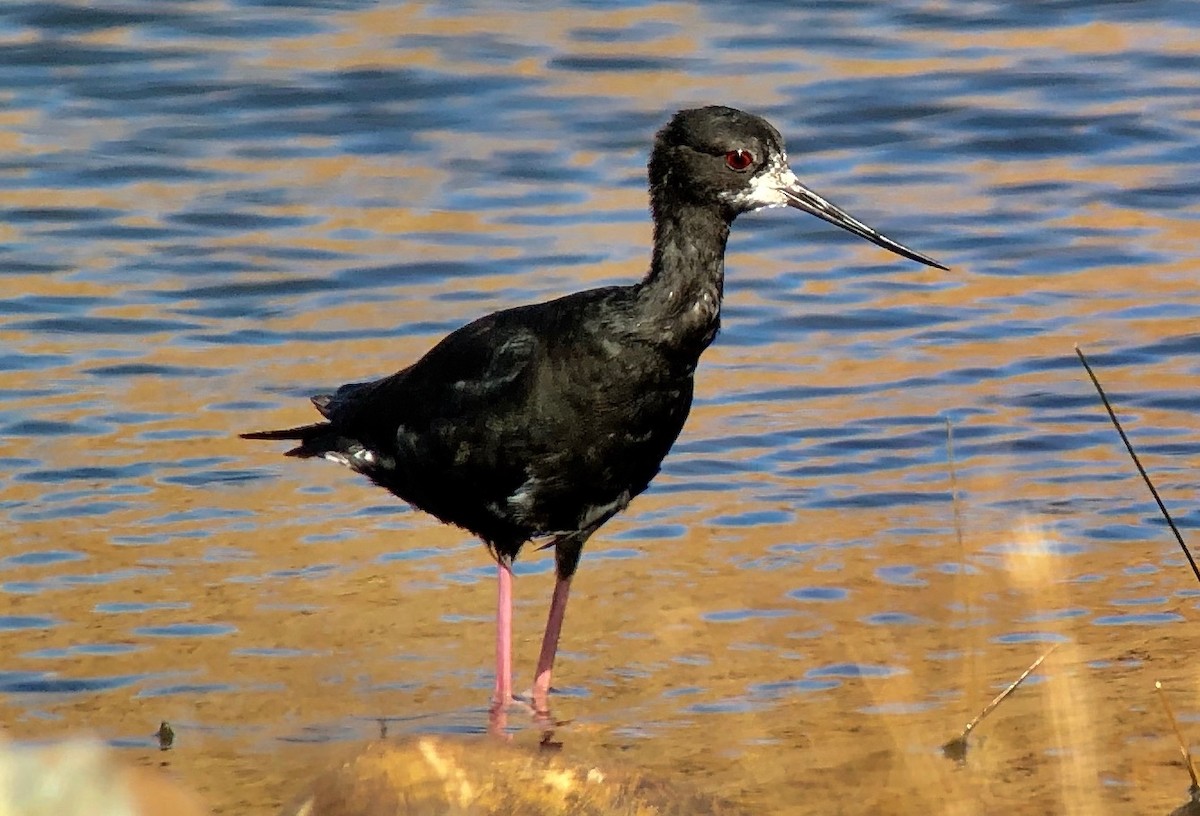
<point x="802" y="198"/>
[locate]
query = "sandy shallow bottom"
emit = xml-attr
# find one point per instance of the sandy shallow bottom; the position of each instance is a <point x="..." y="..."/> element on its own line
<point x="324" y="664"/>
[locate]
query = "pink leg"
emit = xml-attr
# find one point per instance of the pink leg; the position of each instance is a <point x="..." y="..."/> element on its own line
<point x="503" y="694"/>
<point x="545" y="665"/>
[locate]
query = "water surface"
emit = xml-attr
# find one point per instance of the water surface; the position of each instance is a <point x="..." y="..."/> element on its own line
<point x="209" y="210"/>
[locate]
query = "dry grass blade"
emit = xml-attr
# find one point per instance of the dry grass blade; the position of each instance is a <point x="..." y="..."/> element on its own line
<point x="1183" y="749"/>
<point x="1138" y="462"/>
<point x="958" y="526"/>
<point x="956" y="748"/>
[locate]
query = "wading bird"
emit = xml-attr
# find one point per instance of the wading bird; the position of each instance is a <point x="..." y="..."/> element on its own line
<point x="544" y="421"/>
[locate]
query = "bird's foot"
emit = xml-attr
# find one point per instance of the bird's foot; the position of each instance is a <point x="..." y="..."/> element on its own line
<point x="519" y="703"/>
<point x="537" y="702"/>
<point x="522" y="705"/>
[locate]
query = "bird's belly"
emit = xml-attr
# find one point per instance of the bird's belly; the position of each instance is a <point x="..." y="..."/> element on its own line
<point x="608" y="460"/>
<point x="516" y="478"/>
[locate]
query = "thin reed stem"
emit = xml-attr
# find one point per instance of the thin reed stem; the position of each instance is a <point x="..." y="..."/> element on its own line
<point x="1138" y="462"/>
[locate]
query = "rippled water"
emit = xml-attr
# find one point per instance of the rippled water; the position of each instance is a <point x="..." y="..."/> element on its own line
<point x="211" y="209"/>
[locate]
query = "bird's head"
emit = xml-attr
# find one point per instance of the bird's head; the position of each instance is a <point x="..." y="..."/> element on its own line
<point x="735" y="162"/>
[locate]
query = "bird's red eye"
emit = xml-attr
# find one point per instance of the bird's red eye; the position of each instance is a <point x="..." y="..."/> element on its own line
<point x="739" y="159"/>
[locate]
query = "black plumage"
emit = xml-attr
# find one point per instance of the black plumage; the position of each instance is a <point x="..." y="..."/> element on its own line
<point x="546" y="420"/>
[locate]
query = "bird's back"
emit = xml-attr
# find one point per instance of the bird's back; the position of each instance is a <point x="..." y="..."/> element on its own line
<point x="536" y="420"/>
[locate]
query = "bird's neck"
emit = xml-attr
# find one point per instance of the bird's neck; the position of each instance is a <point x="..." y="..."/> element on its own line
<point x="681" y="296"/>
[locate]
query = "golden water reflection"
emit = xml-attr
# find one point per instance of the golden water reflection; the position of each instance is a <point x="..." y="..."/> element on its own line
<point x="788" y="619"/>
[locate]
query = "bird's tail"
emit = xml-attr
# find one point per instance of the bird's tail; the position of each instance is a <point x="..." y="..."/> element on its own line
<point x="314" y="439"/>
